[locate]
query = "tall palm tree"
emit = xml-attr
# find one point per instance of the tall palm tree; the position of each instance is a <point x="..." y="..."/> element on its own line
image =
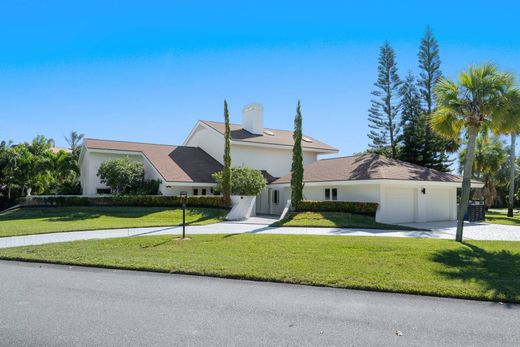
<point x="490" y="155"/>
<point x="475" y="99"/>
<point x="510" y="124"/>
<point x="74" y="140"/>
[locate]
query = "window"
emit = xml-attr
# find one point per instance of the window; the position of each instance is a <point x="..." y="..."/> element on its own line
<point x="331" y="194"/>
<point x="276" y="197"/>
<point x="203" y="191"/>
<point x="196" y="191"/>
<point x="103" y="191"/>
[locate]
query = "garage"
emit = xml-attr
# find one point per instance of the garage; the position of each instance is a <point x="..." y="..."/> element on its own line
<point x="400" y="205"/>
<point x="437" y="204"/>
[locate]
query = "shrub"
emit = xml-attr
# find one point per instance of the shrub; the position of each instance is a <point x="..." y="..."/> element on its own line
<point x="366" y="208"/>
<point x="125" y="200"/>
<point x="244" y="181"/>
<point x="121" y="175"/>
<point x="148" y="187"/>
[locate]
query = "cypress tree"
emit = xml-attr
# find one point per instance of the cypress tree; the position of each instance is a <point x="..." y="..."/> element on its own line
<point x="385" y="107"/>
<point x="434" y="148"/>
<point x="412" y="122"/>
<point x="226" y="171"/>
<point x="297" y="160"/>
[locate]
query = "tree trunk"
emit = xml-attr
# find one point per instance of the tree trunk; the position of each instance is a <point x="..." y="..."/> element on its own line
<point x="512" y="159"/>
<point x="466" y="181"/>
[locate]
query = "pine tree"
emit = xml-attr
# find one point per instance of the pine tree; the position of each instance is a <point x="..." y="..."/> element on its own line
<point x="385" y="108"/>
<point x="297" y="160"/>
<point x="226" y="171"/>
<point x="434" y="148"/>
<point x="412" y="122"/>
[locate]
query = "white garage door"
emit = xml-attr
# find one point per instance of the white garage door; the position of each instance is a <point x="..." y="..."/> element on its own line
<point x="400" y="205"/>
<point x="437" y="204"/>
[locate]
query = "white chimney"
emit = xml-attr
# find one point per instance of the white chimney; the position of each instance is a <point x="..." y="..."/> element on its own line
<point x="253" y="118"/>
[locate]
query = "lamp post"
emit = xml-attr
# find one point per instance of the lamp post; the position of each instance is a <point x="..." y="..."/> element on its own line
<point x="184" y="199"/>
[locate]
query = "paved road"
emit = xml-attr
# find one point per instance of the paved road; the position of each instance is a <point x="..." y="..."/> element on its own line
<point x="443" y="230"/>
<point x="52" y="305"/>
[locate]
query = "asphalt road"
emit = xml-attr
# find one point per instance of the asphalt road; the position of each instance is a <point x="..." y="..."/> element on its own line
<point x="51" y="305"/>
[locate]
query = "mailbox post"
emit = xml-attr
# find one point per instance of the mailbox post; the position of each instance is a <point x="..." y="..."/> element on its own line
<point x="184" y="200"/>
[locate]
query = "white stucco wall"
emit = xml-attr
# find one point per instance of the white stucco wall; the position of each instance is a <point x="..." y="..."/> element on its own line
<point x="173" y="190"/>
<point x="276" y="161"/>
<point x="358" y="193"/>
<point x="399" y="201"/>
<point x="209" y="140"/>
<point x="91" y="162"/>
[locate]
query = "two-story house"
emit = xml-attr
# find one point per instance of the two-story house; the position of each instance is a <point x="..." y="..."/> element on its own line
<point x="404" y="191"/>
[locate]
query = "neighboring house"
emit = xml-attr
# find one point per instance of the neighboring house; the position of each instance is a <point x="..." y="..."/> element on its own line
<point x="404" y="191"/>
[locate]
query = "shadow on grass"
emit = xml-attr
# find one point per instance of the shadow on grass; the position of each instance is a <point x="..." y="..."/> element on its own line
<point x="497" y="271"/>
<point x="336" y="220"/>
<point x="72" y="214"/>
<point x="503" y="219"/>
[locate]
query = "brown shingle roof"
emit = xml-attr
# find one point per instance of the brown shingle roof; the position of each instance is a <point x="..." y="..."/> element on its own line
<point x="369" y="167"/>
<point x="174" y="163"/>
<point x="279" y="137"/>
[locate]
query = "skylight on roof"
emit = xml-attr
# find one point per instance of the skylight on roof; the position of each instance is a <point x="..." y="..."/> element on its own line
<point x="268" y="132"/>
<point x="306" y="139"/>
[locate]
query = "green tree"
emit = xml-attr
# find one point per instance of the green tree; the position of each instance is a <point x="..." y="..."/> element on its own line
<point x="297" y="160"/>
<point x="490" y="156"/>
<point x="122" y="175"/>
<point x="34" y="165"/>
<point x="510" y="125"/>
<point x="9" y="177"/>
<point x="476" y="98"/>
<point x="412" y="122"/>
<point x="244" y="181"/>
<point x="226" y="171"/>
<point x="385" y="106"/>
<point x="74" y="141"/>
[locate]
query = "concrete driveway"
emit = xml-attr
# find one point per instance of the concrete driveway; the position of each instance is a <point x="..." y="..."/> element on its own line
<point x="472" y="231"/>
<point x="260" y="225"/>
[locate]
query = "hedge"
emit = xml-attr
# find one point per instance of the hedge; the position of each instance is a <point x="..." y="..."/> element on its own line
<point x="125" y="200"/>
<point x="366" y="208"/>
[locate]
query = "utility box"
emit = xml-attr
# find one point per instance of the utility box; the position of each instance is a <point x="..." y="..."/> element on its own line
<point x="476" y="212"/>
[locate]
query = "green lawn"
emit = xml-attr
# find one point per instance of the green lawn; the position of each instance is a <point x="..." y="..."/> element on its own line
<point x="477" y="269"/>
<point x="27" y="221"/>
<point x="500" y="217"/>
<point x="334" y="219"/>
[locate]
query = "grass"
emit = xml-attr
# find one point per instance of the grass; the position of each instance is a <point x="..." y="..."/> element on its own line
<point x="334" y="219"/>
<point x="28" y="221"/>
<point x="487" y="270"/>
<point x="500" y="217"/>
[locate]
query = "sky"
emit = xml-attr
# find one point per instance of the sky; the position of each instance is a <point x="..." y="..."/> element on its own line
<point x="147" y="71"/>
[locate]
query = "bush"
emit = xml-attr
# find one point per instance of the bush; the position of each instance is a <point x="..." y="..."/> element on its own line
<point x="366" y="208"/>
<point x="149" y="187"/>
<point x="244" y="181"/>
<point x="122" y="175"/>
<point x="125" y="200"/>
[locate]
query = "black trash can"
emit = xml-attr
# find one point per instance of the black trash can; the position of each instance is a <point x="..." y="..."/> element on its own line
<point x="476" y="212"/>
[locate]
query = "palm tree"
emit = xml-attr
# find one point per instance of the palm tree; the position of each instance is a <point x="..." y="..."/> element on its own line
<point x="510" y="124"/>
<point x="74" y="140"/>
<point x="490" y="155"/>
<point x="475" y="99"/>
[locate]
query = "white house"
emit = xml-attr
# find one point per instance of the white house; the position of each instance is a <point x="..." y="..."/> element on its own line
<point x="405" y="192"/>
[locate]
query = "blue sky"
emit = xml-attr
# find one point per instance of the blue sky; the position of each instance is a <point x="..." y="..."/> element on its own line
<point x="147" y="71"/>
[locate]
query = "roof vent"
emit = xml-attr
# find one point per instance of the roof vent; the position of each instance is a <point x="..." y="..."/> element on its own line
<point x="306" y="139"/>
<point x="268" y="132"/>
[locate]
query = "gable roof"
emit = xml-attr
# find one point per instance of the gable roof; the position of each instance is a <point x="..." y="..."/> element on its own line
<point x="278" y="137"/>
<point x="369" y="167"/>
<point x="174" y="163"/>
